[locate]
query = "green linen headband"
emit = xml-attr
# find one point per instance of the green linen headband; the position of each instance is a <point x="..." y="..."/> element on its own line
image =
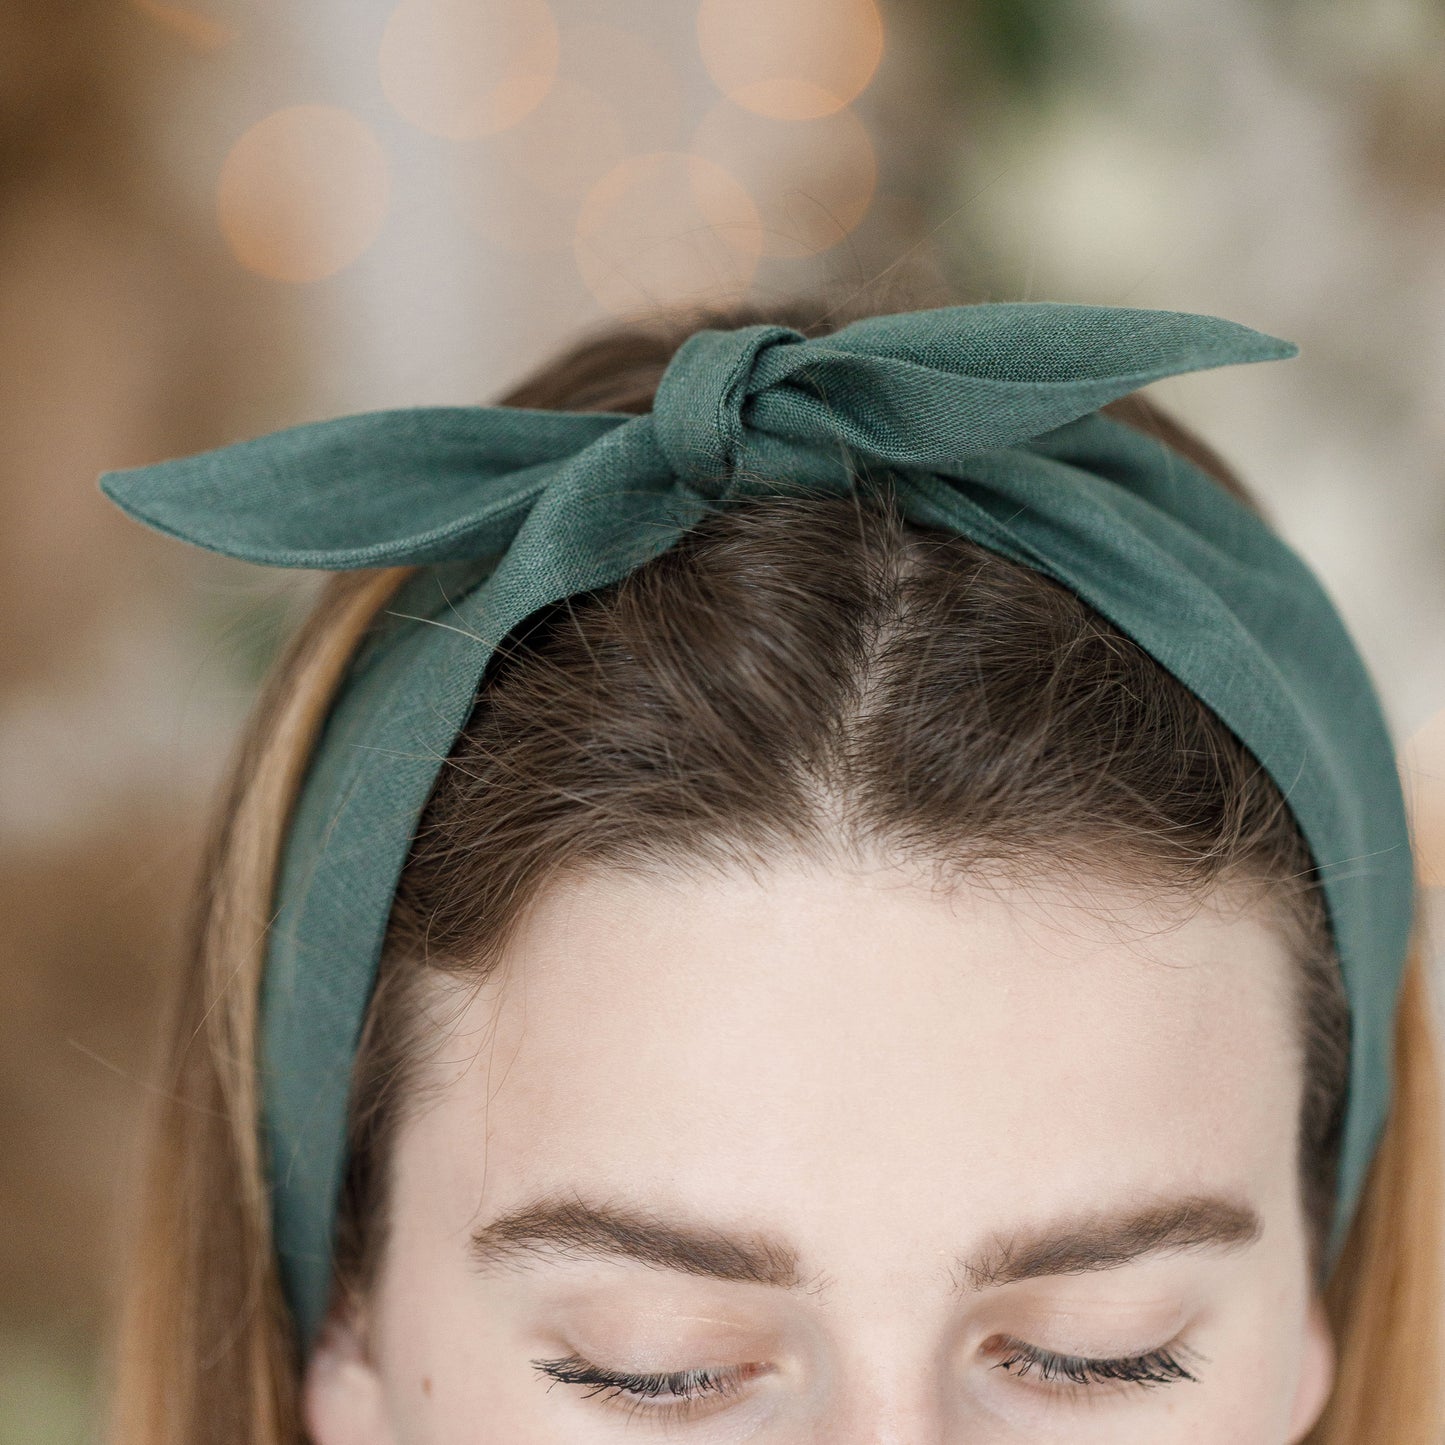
<point x="984" y="418"/>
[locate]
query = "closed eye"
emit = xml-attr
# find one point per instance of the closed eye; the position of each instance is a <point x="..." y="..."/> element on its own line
<point x="1158" y="1367"/>
<point x="674" y="1395"/>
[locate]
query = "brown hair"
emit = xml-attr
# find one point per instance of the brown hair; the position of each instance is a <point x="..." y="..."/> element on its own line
<point x="798" y="674"/>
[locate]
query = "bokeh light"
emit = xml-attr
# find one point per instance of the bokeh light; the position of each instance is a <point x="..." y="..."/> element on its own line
<point x="667" y="228"/>
<point x="813" y="180"/>
<point x="790" y="59"/>
<point x="462" y="69"/>
<point x="303" y="193"/>
<point x="1423" y="767"/>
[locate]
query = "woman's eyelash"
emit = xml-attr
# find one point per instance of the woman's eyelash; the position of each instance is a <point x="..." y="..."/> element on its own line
<point x="681" y="1388"/>
<point x="1158" y="1367"/>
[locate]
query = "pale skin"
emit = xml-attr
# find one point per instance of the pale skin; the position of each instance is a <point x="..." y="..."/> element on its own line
<point x="934" y="1111"/>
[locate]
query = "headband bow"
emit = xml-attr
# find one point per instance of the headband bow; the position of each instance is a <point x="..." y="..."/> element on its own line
<point x="443" y="484"/>
<point x="986" y="419"/>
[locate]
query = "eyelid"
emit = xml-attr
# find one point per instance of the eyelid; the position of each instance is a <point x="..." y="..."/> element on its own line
<point x="1117" y="1328"/>
<point x="1148" y="1369"/>
<point x="683" y="1391"/>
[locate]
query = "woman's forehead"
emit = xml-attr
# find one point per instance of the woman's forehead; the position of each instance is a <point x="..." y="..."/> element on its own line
<point x="808" y="1035"/>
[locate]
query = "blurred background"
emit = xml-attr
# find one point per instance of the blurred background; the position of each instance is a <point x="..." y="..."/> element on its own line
<point x="220" y="217"/>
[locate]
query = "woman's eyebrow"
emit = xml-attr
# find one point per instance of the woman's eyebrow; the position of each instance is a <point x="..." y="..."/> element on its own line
<point x="577" y="1228"/>
<point x="1108" y="1239"/>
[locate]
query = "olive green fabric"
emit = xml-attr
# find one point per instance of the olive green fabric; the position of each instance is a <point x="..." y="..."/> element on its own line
<point x="985" y="421"/>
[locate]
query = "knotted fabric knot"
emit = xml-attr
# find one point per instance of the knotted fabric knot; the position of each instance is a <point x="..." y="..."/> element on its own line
<point x="697" y="415"/>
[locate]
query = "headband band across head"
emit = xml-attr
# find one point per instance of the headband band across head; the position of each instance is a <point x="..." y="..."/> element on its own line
<point x="986" y="420"/>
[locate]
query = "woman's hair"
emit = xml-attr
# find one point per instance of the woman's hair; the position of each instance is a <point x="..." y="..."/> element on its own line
<point x="798" y="676"/>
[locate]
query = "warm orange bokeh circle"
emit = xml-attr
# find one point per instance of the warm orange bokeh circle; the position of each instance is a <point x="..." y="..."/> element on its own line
<point x="790" y="59"/>
<point x="462" y="69"/>
<point x="303" y="193"/>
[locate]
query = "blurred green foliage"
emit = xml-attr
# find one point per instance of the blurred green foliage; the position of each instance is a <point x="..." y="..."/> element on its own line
<point x="1026" y="46"/>
<point x="1029" y="40"/>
